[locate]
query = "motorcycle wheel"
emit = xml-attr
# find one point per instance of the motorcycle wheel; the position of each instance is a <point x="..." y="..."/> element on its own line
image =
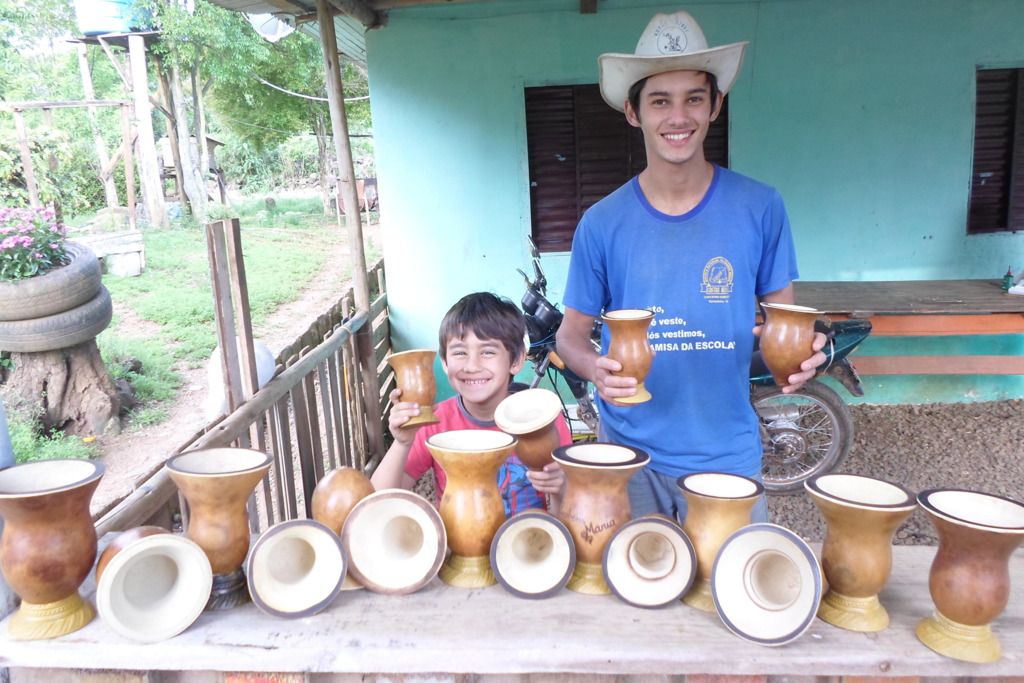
<point x="803" y="434"/>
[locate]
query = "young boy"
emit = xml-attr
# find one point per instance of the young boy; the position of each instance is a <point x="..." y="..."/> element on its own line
<point x="482" y="348"/>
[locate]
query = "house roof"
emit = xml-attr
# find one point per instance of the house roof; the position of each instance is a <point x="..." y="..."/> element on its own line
<point x="351" y="20"/>
<point x="349" y="26"/>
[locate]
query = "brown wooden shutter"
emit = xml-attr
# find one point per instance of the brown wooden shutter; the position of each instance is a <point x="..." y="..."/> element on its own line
<point x="1015" y="211"/>
<point x="580" y="150"/>
<point x="997" y="179"/>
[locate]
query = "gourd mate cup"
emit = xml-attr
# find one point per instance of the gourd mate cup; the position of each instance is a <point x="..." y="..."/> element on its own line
<point x="969" y="580"/>
<point x="49" y="544"/>
<point x="595" y="504"/>
<point x="717" y="505"/>
<point x="861" y="515"/>
<point x="530" y="415"/>
<point x="629" y="346"/>
<point x="217" y="483"/>
<point x="151" y="584"/>
<point x="787" y="338"/>
<point x="414" y="375"/>
<point x="471" y="506"/>
<point x="333" y="499"/>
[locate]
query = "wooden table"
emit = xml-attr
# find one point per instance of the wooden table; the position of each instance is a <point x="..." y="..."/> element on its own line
<point x="924" y="308"/>
<point x="441" y="631"/>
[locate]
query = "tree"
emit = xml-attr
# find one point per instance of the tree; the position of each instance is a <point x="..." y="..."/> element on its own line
<point x="196" y="48"/>
<point x="284" y="94"/>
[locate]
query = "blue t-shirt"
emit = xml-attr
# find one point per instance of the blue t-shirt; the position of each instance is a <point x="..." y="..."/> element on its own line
<point x="700" y="273"/>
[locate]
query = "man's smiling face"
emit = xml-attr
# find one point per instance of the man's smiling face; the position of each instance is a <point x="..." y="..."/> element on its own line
<point x="675" y="111"/>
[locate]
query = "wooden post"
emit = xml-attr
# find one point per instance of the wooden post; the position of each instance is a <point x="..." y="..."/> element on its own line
<point x="149" y="173"/>
<point x="109" y="186"/>
<point x="26" y="159"/>
<point x="164" y="94"/>
<point x="350" y="200"/>
<point x="51" y="158"/>
<point x="129" y="165"/>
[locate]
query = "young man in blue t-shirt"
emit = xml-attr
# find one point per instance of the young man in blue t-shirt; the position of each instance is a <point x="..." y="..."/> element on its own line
<point x="698" y="245"/>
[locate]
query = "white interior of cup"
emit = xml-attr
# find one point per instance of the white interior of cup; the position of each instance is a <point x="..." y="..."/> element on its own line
<point x="532" y="555"/>
<point x="412" y="352"/>
<point x="721" y="485"/>
<point x="527" y="411"/>
<point x="393" y="541"/>
<point x="296" y="568"/>
<point x="154" y="588"/>
<point x="860" y="490"/>
<point x="46" y="475"/>
<point x="648" y="563"/>
<point x="629" y="314"/>
<point x="219" y="460"/>
<point x="766" y="584"/>
<point x="772" y="580"/>
<point x="470" y="440"/>
<point x="977" y="508"/>
<point x="600" y="453"/>
<point x="651" y="555"/>
<point x="791" y="307"/>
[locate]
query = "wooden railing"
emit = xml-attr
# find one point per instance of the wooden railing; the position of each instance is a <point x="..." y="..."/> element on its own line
<point x="310" y="417"/>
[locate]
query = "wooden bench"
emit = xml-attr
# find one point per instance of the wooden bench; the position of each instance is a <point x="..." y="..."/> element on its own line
<point x="442" y="633"/>
<point x="917" y="308"/>
<point x="121" y="253"/>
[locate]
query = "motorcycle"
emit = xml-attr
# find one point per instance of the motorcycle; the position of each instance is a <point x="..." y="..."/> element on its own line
<point x="804" y="433"/>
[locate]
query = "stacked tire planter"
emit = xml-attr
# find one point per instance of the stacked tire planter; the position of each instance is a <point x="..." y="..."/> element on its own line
<point x="61" y="308"/>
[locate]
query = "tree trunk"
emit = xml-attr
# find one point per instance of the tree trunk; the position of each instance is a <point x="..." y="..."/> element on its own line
<point x="67" y="389"/>
<point x="109" y="187"/>
<point x="192" y="178"/>
<point x="323" y="162"/>
<point x="164" y="92"/>
<point x="199" y="126"/>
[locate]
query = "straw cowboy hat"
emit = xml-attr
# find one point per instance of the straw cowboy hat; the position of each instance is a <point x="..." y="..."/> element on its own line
<point x="671" y="42"/>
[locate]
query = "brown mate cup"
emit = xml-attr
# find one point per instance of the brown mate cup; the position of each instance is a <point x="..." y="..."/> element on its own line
<point x="629" y="346"/>
<point x="414" y="375"/>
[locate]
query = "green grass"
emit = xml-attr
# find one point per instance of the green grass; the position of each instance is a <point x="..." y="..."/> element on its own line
<point x="175" y="291"/>
<point x="283" y="250"/>
<point x="30" y="444"/>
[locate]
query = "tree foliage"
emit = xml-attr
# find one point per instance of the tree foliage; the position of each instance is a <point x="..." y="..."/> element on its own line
<point x="269" y="133"/>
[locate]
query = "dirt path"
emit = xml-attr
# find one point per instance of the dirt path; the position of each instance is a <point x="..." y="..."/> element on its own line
<point x="136" y="453"/>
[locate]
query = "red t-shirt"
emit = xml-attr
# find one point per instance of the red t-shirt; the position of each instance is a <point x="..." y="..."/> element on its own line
<point x="516" y="491"/>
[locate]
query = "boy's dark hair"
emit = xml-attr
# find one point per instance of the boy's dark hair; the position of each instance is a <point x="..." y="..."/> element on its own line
<point x="488" y="317"/>
<point x="634" y="92"/>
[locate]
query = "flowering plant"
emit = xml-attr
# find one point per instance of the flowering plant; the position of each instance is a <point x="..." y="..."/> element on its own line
<point x="31" y="242"/>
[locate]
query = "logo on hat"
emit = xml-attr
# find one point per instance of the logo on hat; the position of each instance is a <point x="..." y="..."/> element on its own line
<point x="671" y="38"/>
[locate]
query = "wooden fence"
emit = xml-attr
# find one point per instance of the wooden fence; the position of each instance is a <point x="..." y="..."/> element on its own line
<point x="310" y="417"/>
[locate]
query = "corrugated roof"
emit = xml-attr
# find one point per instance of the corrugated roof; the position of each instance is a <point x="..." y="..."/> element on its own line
<point x="350" y="33"/>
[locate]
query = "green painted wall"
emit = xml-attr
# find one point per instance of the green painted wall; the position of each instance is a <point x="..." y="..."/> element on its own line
<point x="860" y="113"/>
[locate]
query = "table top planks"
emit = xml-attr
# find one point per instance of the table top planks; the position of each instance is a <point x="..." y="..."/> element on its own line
<point x="489" y="632"/>
<point x="908" y="297"/>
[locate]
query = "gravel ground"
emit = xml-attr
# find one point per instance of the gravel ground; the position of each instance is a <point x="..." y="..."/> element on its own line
<point x="974" y="446"/>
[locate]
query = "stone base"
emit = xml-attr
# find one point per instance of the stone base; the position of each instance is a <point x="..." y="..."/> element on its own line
<point x="959" y="641"/>
<point x="699" y="596"/>
<point x="854" y="614"/>
<point x="467" y="572"/>
<point x="53" y="619"/>
<point x="588" y="578"/>
<point x="229" y="590"/>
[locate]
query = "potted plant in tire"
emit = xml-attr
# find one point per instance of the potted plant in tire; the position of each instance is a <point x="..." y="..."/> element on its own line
<point x="52" y="306"/>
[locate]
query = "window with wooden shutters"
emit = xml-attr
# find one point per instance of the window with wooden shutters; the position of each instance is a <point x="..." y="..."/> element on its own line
<point x="580" y="150"/>
<point x="997" y="181"/>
